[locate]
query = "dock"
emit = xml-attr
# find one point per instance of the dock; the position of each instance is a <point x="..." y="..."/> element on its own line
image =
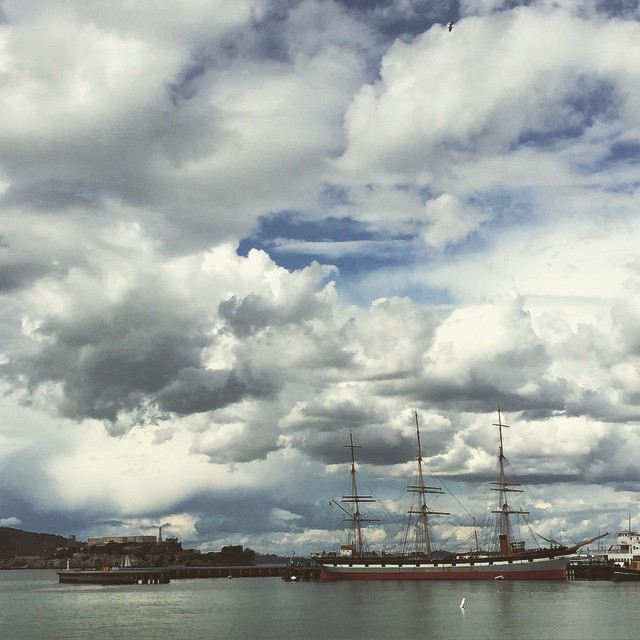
<point x="590" y="570"/>
<point x="164" y="575"/>
<point x="116" y="575"/>
<point x="248" y="571"/>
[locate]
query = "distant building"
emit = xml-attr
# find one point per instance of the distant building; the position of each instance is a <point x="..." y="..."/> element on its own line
<point x="73" y="542"/>
<point x="122" y="540"/>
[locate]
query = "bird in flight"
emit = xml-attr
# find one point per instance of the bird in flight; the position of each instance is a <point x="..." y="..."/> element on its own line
<point x="450" y="26"/>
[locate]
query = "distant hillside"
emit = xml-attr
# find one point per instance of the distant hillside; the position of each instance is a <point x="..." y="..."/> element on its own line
<point x="15" y="542"/>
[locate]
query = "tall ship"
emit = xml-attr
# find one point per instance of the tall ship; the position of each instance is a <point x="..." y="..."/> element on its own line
<point x="512" y="561"/>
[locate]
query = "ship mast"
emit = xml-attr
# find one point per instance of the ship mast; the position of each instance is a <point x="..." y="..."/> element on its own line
<point x="422" y="511"/>
<point x="355" y="499"/>
<point x="507" y="546"/>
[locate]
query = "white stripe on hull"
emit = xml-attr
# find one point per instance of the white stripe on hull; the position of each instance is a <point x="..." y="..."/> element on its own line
<point x="537" y="569"/>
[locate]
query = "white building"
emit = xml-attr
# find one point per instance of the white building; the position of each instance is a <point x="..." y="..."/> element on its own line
<point x="627" y="546"/>
<point x="122" y="540"/>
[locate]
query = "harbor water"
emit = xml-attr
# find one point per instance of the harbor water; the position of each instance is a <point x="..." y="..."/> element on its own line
<point x="35" y="606"/>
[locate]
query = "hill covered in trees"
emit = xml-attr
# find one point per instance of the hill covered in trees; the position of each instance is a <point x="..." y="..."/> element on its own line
<point x="15" y="542"/>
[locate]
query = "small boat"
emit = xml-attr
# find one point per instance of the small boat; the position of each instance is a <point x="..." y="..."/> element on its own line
<point x="626" y="574"/>
<point x="511" y="562"/>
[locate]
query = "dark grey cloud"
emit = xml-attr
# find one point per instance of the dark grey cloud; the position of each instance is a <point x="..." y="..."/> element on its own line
<point x="236" y="436"/>
<point x="49" y="198"/>
<point x="245" y="316"/>
<point x="220" y="514"/>
<point x="146" y="349"/>
<point x="478" y="395"/>
<point x="16" y="275"/>
<point x="224" y="518"/>
<point x="322" y="431"/>
<point x="197" y="390"/>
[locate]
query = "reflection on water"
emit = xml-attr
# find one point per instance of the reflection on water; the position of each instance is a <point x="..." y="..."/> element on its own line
<point x="34" y="605"/>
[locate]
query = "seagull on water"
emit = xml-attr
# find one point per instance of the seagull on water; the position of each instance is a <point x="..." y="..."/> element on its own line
<point x="462" y="603"/>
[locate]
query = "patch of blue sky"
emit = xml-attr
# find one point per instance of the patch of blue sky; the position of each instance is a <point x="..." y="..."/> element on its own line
<point x="506" y="207"/>
<point x="619" y="8"/>
<point x="184" y="87"/>
<point x="294" y="241"/>
<point x="627" y="151"/>
<point x="411" y="26"/>
<point x="426" y="193"/>
<point x="333" y="194"/>
<point x="407" y="18"/>
<point x="547" y="139"/>
<point x="406" y="282"/>
<point x="622" y="153"/>
<point x="268" y="26"/>
<point x="370" y="266"/>
<point x="592" y="101"/>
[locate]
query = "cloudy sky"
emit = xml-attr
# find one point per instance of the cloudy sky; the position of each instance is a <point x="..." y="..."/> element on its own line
<point x="230" y="232"/>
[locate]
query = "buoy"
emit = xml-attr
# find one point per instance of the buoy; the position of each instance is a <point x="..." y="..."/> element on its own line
<point x="462" y="603"/>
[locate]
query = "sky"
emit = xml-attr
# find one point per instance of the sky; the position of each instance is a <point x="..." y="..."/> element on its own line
<point x="233" y="232"/>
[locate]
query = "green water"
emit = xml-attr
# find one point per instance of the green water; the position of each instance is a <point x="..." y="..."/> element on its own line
<point x="33" y="605"/>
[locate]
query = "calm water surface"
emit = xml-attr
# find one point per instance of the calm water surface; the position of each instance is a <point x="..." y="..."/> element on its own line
<point x="33" y="605"/>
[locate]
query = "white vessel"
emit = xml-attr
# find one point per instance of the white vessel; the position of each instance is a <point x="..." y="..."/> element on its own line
<point x="623" y="552"/>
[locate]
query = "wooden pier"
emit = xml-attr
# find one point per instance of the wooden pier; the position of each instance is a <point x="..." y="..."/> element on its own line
<point x="164" y="575"/>
<point x="590" y="570"/>
<point x="106" y="576"/>
<point x="249" y="571"/>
